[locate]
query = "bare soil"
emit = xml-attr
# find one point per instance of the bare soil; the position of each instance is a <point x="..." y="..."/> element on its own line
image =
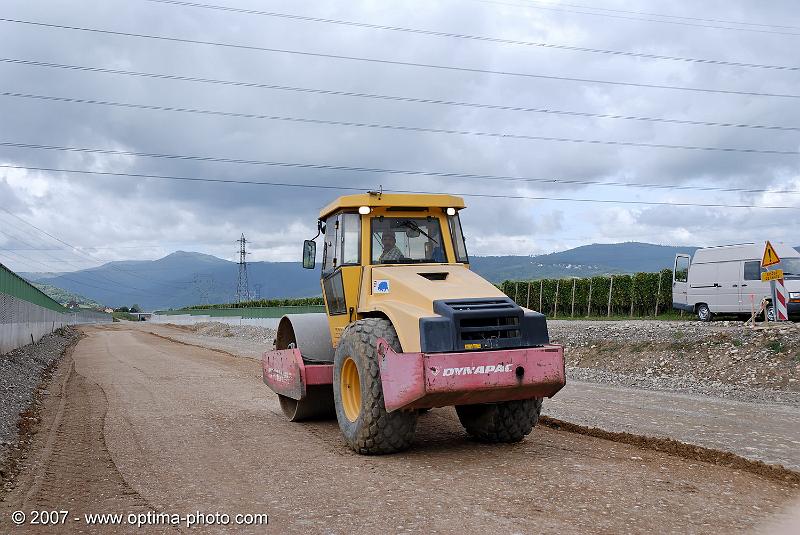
<point x="146" y="423"/>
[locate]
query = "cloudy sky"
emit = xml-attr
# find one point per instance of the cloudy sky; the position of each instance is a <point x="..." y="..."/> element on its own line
<point x="111" y="217"/>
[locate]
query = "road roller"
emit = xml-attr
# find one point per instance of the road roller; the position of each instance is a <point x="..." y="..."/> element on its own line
<point x="409" y="327"/>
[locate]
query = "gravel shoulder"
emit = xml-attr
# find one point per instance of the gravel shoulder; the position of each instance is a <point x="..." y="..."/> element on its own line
<point x="241" y="340"/>
<point x="22" y="371"/>
<point x="724" y="359"/>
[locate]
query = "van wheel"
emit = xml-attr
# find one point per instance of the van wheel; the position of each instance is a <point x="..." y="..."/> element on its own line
<point x="703" y="312"/>
<point x="770" y="313"/>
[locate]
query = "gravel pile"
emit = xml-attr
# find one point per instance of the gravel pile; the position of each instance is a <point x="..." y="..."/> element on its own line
<point x="223" y="330"/>
<point x="21" y="373"/>
<point x="726" y="359"/>
<point x="575" y="332"/>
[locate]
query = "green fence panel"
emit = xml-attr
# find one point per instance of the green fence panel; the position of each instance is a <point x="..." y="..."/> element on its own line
<point x="14" y="285"/>
<point x="639" y="294"/>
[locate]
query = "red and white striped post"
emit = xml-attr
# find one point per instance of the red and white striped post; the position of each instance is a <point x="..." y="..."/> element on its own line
<point x="772" y="262"/>
<point x="781" y="298"/>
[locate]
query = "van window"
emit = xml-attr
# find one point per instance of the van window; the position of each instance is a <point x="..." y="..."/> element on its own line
<point x="752" y="270"/>
<point x="791" y="268"/>
<point x="681" y="269"/>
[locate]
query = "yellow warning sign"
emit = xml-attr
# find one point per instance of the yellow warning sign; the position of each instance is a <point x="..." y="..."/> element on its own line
<point x="772" y="275"/>
<point x="770" y="256"/>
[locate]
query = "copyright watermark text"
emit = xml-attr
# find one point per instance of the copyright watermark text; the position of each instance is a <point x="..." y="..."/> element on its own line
<point x="148" y="518"/>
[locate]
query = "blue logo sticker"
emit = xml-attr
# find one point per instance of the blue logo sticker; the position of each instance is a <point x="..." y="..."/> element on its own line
<point x="380" y="287"/>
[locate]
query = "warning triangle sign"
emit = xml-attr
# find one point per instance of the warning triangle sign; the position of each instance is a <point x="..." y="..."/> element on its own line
<point x="770" y="256"/>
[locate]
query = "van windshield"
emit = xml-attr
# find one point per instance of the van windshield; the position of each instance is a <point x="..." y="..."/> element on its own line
<point x="791" y="268"/>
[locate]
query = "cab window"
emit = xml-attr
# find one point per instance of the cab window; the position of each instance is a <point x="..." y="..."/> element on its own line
<point x="406" y="240"/>
<point x="349" y="238"/>
<point x="458" y="239"/>
<point x="330" y="260"/>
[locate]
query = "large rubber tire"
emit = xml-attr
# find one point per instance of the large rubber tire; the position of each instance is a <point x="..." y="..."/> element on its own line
<point x="770" y="313"/>
<point x="508" y="421"/>
<point x="374" y="431"/>
<point x="704" y="313"/>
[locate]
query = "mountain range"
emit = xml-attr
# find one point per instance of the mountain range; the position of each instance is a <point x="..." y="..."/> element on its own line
<point x="187" y="278"/>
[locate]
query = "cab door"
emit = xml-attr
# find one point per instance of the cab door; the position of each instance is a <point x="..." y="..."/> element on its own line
<point x="680" y="281"/>
<point x="341" y="271"/>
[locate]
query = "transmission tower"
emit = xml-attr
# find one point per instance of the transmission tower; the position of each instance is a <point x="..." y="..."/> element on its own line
<point x="258" y="290"/>
<point x="203" y="284"/>
<point x="242" y="288"/>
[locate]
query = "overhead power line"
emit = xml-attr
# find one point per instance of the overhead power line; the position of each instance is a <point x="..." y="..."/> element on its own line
<point x="28" y="259"/>
<point x="480" y="38"/>
<point x="642" y="19"/>
<point x="118" y="248"/>
<point x="375" y="60"/>
<point x="397" y="98"/>
<point x="723" y="21"/>
<point x="644" y="13"/>
<point x="84" y="284"/>
<point x="445" y="131"/>
<point x="76" y="250"/>
<point x="664" y="15"/>
<point x="353" y="188"/>
<point x="96" y="277"/>
<point x="389" y="171"/>
<point x="91" y="274"/>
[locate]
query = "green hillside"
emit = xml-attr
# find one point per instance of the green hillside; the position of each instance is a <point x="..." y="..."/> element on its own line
<point x="65" y="296"/>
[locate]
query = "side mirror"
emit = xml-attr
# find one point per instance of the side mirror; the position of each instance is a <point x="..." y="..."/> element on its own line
<point x="309" y="254"/>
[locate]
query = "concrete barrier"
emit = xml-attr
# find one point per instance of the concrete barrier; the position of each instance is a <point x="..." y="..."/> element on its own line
<point x="22" y="322"/>
<point x="187" y="319"/>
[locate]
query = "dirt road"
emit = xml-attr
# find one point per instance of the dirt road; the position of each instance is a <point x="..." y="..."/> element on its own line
<point x="756" y="429"/>
<point x="144" y="423"/>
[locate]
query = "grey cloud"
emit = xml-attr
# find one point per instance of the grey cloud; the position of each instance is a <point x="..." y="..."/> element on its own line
<point x="90" y="209"/>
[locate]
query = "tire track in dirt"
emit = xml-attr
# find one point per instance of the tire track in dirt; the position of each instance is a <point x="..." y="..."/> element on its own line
<point x="663" y="445"/>
<point x="70" y="467"/>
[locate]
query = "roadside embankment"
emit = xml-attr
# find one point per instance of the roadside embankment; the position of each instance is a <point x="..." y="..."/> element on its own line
<point x="22" y="372"/>
<point x="725" y="359"/>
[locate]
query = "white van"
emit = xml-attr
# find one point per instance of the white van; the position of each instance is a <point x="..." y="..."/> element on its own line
<point x="727" y="280"/>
